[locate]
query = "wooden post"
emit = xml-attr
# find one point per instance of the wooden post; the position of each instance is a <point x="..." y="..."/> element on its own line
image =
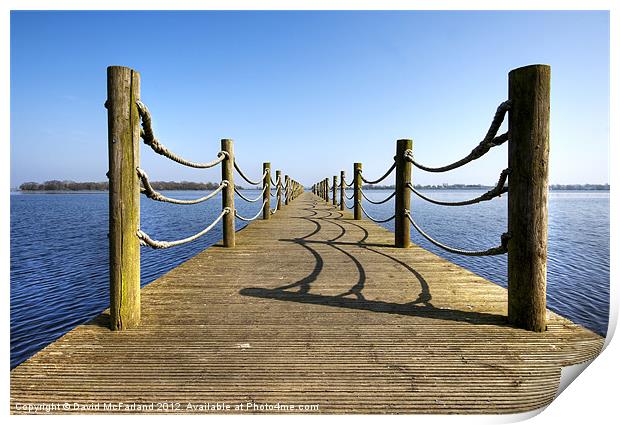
<point x="327" y="189"/>
<point x="266" y="190"/>
<point x="124" y="196"/>
<point x="228" y="194"/>
<point x="342" y="187"/>
<point x="279" y="188"/>
<point x="528" y="160"/>
<point x="334" y="187"/>
<point x="357" y="191"/>
<point x="402" y="236"/>
<point x="287" y="179"/>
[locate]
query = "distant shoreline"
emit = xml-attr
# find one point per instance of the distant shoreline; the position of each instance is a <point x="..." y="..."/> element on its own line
<point x="69" y="186"/>
<point x="58" y="192"/>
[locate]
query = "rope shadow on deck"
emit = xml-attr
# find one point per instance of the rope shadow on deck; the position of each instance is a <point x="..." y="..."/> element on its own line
<point x="420" y="307"/>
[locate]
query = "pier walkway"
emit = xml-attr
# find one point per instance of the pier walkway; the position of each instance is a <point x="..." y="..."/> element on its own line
<point x="311" y="308"/>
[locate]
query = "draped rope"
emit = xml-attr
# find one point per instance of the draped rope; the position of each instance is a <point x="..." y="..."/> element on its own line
<point x="498" y="190"/>
<point x="347" y="205"/>
<point x="156" y="196"/>
<point x="349" y="197"/>
<point x="145" y="240"/>
<point x="277" y="182"/>
<point x="387" y="173"/>
<point x="238" y="192"/>
<point x="489" y="141"/>
<point x="498" y="250"/>
<point x="253" y="218"/>
<point x="246" y="177"/>
<point x="149" y="139"/>
<point x="374" y="219"/>
<point x="375" y="202"/>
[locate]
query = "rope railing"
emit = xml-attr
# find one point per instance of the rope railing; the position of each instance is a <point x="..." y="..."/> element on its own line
<point x="404" y="156"/>
<point x="489" y="141"/>
<point x="130" y="122"/>
<point x="404" y="187"/>
<point x="498" y="250"/>
<point x="380" y="179"/>
<point x="156" y="196"/>
<point x="375" y="219"/>
<point x="149" y="139"/>
<point x="146" y="240"/>
<point x="496" y="191"/>
<point x="246" y="178"/>
<point x="377" y="202"/>
<point x="240" y="217"/>
<point x="260" y="196"/>
<point x="277" y="182"/>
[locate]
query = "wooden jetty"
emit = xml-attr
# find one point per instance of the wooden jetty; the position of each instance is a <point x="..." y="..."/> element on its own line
<point x="315" y="308"/>
<point x="312" y="308"/>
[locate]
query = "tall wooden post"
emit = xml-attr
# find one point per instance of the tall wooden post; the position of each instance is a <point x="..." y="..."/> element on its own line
<point x="266" y="190"/>
<point x="357" y="191"/>
<point x="124" y="196"/>
<point x="528" y="160"/>
<point x="342" y="187"/>
<point x="287" y="179"/>
<point x="228" y="194"/>
<point x="334" y="187"/>
<point x="279" y="188"/>
<point x="402" y="204"/>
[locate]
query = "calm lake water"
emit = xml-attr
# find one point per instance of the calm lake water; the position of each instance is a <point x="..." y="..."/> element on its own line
<point x="59" y="252"/>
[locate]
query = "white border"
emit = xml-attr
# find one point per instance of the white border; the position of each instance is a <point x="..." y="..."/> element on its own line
<point x="591" y="398"/>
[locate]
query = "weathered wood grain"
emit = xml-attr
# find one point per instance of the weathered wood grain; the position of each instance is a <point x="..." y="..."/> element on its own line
<point x="124" y="197"/>
<point x="357" y="187"/>
<point x="267" y="190"/>
<point x="313" y="307"/>
<point x="528" y="160"/>
<point x="402" y="200"/>
<point x="228" y="193"/>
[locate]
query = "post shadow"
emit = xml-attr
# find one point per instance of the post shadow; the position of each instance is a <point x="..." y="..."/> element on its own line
<point x="420" y="307"/>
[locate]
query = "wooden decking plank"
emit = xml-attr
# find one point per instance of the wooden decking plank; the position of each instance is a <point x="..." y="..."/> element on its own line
<point x="312" y="307"/>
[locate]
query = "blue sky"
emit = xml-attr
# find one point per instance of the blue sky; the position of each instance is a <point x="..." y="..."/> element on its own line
<point x="312" y="92"/>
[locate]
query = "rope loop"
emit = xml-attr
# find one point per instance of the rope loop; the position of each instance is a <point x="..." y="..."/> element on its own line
<point x="238" y="192"/>
<point x="387" y="173"/>
<point x="374" y="219"/>
<point x="498" y="250"/>
<point x="145" y="239"/>
<point x="240" y="217"/>
<point x="146" y="132"/>
<point x="490" y="140"/>
<point x="499" y="189"/>
<point x="156" y="196"/>
<point x="375" y="202"/>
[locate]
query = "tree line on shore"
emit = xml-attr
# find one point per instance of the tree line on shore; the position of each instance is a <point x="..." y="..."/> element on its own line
<point x="485" y="187"/>
<point x="71" y="186"/>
